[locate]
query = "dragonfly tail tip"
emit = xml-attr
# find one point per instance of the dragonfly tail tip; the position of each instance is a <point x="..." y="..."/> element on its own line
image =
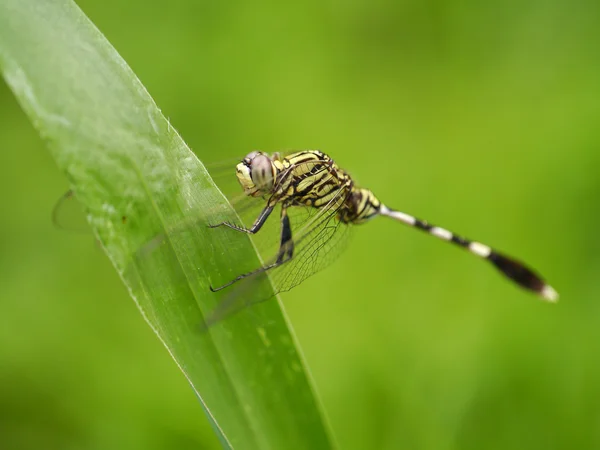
<point x="549" y="294"/>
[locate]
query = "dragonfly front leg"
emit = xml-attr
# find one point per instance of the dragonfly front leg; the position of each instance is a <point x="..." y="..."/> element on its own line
<point x="286" y="251"/>
<point x="258" y="223"/>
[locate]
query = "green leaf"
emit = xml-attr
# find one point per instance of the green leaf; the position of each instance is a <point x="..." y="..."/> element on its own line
<point x="137" y="179"/>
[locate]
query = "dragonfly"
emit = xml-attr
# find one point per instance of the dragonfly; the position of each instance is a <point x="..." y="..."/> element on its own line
<point x="318" y="205"/>
<point x="311" y="181"/>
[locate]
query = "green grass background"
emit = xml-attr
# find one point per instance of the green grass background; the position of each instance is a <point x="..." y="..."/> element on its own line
<point x="480" y="117"/>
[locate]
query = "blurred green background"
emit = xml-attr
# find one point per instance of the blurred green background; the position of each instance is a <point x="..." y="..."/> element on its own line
<point x="480" y="117"/>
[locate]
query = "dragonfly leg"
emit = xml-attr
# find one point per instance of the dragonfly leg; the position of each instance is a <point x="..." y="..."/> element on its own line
<point x="286" y="246"/>
<point x="257" y="225"/>
<point x="286" y="251"/>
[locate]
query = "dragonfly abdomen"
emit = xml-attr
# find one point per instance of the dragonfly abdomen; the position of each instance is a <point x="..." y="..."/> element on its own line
<point x="511" y="268"/>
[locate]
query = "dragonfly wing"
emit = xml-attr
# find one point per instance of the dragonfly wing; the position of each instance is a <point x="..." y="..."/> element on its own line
<point x="317" y="244"/>
<point x="318" y="238"/>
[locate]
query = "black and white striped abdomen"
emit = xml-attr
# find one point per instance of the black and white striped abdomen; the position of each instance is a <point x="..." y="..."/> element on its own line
<point x="513" y="269"/>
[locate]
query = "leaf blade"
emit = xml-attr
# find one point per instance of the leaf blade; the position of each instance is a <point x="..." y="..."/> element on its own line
<point x="136" y="178"/>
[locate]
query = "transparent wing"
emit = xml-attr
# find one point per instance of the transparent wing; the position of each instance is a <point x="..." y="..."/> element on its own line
<point x="68" y="213"/>
<point x="319" y="239"/>
<point x="317" y="235"/>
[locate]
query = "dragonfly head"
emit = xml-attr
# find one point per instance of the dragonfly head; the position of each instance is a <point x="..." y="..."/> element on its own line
<point x="256" y="174"/>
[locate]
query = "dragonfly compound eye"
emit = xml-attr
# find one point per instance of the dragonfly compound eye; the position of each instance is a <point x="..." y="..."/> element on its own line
<point x="255" y="174"/>
<point x="261" y="172"/>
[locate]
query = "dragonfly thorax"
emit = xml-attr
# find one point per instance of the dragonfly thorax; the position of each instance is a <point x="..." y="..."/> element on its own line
<point x="256" y="173"/>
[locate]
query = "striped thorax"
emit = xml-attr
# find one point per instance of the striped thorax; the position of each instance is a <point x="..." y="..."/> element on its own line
<point x="309" y="178"/>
